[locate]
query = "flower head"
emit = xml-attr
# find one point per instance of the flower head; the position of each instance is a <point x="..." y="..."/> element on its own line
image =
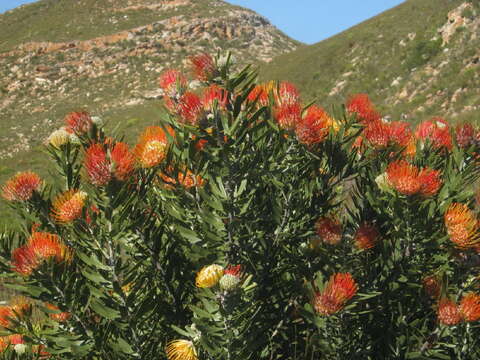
<point x="209" y="276"/>
<point x="362" y="107"/>
<point x="470" y="307"/>
<point x="313" y="127"/>
<point x="400" y="133"/>
<point x="78" y="122"/>
<point x="40" y="246"/>
<point x="214" y="94"/>
<point x="123" y="161"/>
<point x="288" y="115"/>
<point x="97" y="165"/>
<point x="464" y="134"/>
<point x="377" y="133"/>
<point x="462" y="225"/>
<point x="366" y="237"/>
<point x="181" y="350"/>
<point x="152" y="146"/>
<point x="287" y="93"/>
<point x="437" y="131"/>
<point x="68" y="206"/>
<point x="329" y="230"/>
<point x="203" y="67"/>
<point x="189" y="108"/>
<point x="58" y="138"/>
<point x="170" y="80"/>
<point x="447" y="312"/>
<point x="21" y="186"/>
<point x="410" y="180"/>
<point x="261" y="93"/>
<point x="339" y="290"/>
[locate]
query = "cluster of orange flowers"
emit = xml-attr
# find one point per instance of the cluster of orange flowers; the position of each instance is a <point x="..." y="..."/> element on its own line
<point x="40" y="247"/>
<point x="338" y="291"/>
<point x="449" y="313"/>
<point x="409" y="180"/>
<point x="462" y="226"/>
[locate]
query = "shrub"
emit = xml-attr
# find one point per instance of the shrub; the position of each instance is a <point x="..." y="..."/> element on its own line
<point x="247" y="226"/>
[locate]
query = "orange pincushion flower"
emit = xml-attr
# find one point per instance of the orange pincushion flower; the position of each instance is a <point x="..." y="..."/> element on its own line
<point x="261" y="93"/>
<point x="21" y="186"/>
<point x="409" y="180"/>
<point x="470" y="307"/>
<point x="465" y="135"/>
<point x="437" y="131"/>
<point x="287" y="93"/>
<point x="123" y="161"/>
<point x="329" y="230"/>
<point x="447" y="312"/>
<point x="68" y="206"/>
<point x="78" y="122"/>
<point x="313" y="128"/>
<point x="152" y="146"/>
<point x="339" y="290"/>
<point x="97" y="165"/>
<point x="288" y="115"/>
<point x="362" y="107"/>
<point x="432" y="286"/>
<point x="59" y="316"/>
<point x="213" y="94"/>
<point x="366" y="237"/>
<point x="170" y="79"/>
<point x="203" y="66"/>
<point x="462" y="225"/>
<point x="189" y="108"/>
<point x="39" y="247"/>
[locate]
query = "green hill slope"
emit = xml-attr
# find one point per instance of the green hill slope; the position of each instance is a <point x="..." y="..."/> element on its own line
<point x="415" y="60"/>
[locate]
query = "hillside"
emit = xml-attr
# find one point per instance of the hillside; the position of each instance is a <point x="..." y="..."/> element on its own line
<point x="419" y="59"/>
<point x="105" y="56"/>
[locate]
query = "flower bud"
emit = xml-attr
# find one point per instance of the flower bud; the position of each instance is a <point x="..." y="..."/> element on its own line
<point x="229" y="282"/>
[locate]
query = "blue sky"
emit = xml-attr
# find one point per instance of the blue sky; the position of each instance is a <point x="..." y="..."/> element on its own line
<point x="305" y="20"/>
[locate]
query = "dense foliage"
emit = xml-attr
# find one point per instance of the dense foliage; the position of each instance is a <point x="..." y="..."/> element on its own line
<point x="247" y="225"/>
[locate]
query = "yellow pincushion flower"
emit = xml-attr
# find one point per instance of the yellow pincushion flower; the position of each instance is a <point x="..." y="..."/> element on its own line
<point x="209" y="276"/>
<point x="181" y="350"/>
<point x="58" y="138"/>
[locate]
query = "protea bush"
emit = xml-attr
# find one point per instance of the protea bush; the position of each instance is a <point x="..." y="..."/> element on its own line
<point x="245" y="224"/>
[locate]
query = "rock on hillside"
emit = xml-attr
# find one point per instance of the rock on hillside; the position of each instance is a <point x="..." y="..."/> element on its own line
<point x="42" y="80"/>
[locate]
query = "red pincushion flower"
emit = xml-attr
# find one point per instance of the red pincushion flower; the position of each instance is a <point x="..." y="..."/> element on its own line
<point x="462" y="225"/>
<point x="203" y="66"/>
<point x="78" y="122"/>
<point x="400" y="133"/>
<point x="339" y="290"/>
<point x="68" y="206"/>
<point x="329" y="230"/>
<point x="430" y="181"/>
<point x="234" y="270"/>
<point x="152" y="146"/>
<point x="40" y="247"/>
<point x="261" y="93"/>
<point x="361" y="105"/>
<point x="123" y="161"/>
<point x="170" y="79"/>
<point x="465" y="135"/>
<point x="21" y="186"/>
<point x="97" y="165"/>
<point x="313" y="128"/>
<point x="189" y="108"/>
<point x="437" y="131"/>
<point x="377" y="133"/>
<point x="448" y="313"/>
<point x="470" y="307"/>
<point x="288" y="115"/>
<point x="366" y="237"/>
<point x="287" y="93"/>
<point x="214" y="94"/>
